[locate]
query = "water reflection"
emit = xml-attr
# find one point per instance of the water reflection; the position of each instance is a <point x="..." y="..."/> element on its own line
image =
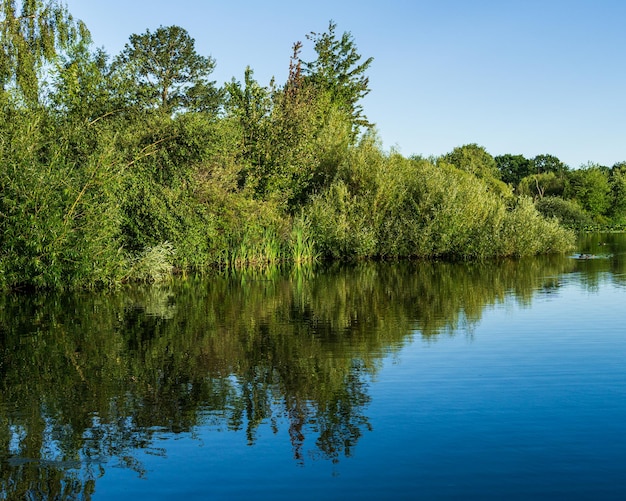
<point x="87" y="380"/>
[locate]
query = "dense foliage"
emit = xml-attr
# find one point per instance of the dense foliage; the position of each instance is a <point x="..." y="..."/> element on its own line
<point x="130" y="168"/>
<point x="592" y="196"/>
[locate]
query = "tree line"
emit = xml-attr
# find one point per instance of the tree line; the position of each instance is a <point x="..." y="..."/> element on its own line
<point x="129" y="167"/>
<point x="590" y="195"/>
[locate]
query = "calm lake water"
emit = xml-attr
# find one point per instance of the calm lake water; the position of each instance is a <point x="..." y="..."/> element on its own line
<point x="402" y="381"/>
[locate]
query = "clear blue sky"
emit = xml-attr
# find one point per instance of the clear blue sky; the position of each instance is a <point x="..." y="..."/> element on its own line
<point x="515" y="76"/>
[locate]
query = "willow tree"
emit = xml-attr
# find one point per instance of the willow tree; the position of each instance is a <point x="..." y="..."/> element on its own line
<point x="32" y="33"/>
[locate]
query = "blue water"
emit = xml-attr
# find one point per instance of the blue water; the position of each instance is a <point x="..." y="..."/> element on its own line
<point x="529" y="403"/>
<point x="412" y="381"/>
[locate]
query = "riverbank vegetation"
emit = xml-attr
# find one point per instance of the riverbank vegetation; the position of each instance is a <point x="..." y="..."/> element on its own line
<point x="131" y="167"/>
<point x="591" y="197"/>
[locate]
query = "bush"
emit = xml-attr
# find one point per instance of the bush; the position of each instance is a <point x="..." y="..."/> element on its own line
<point x="526" y="232"/>
<point x="341" y="224"/>
<point x="60" y="216"/>
<point x="427" y="211"/>
<point x="406" y="208"/>
<point x="568" y="212"/>
<point x="154" y="264"/>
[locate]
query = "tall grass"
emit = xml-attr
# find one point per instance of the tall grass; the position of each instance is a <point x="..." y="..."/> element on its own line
<point x="256" y="250"/>
<point x="303" y="247"/>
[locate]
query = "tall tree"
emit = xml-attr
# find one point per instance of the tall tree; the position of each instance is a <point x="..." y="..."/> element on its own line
<point x="474" y="159"/>
<point x="32" y="33"/>
<point x="339" y="71"/>
<point x="590" y="187"/>
<point x="169" y="74"/>
<point x="513" y="168"/>
<point x="618" y="188"/>
<point x="549" y="163"/>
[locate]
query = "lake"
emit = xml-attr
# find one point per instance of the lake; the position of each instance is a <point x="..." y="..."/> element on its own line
<point x="497" y="380"/>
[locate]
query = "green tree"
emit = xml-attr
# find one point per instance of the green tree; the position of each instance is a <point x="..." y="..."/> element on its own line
<point x="473" y="159"/>
<point x="569" y="212"/>
<point x="590" y="187"/>
<point x="513" y="168"/>
<point x="476" y="160"/>
<point x="168" y="73"/>
<point x="84" y="87"/>
<point x="249" y="105"/>
<point x="310" y="136"/>
<point x="548" y="163"/>
<point x="546" y="184"/>
<point x="293" y="137"/>
<point x="618" y="189"/>
<point x="339" y="71"/>
<point x="33" y="33"/>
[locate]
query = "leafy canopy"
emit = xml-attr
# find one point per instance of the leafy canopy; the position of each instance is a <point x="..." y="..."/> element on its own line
<point x="513" y="168"/>
<point x="338" y="70"/>
<point x="168" y="73"/>
<point x="590" y="187"/>
<point x="474" y="159"/>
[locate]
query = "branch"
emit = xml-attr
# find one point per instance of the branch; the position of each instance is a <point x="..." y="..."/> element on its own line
<point x="103" y="116"/>
<point x="142" y="153"/>
<point x="540" y="190"/>
<point x="6" y="21"/>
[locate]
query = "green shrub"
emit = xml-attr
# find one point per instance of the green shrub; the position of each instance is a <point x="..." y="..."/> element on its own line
<point x="424" y="210"/>
<point x="404" y="208"/>
<point x="341" y="224"/>
<point x="60" y="217"/>
<point x="154" y="264"/>
<point x="568" y="212"/>
<point x="526" y="232"/>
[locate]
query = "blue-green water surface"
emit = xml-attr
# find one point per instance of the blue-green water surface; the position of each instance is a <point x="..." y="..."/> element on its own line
<point x="384" y="380"/>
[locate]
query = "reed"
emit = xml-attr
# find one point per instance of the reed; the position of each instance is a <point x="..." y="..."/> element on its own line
<point x="256" y="250"/>
<point x="303" y="248"/>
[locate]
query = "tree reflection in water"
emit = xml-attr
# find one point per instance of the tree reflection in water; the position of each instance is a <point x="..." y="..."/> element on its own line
<point x="87" y="380"/>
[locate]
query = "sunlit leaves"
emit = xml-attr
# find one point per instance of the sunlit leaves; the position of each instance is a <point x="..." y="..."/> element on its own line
<point x="590" y="187"/>
<point x="167" y="71"/>
<point x="339" y="70"/>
